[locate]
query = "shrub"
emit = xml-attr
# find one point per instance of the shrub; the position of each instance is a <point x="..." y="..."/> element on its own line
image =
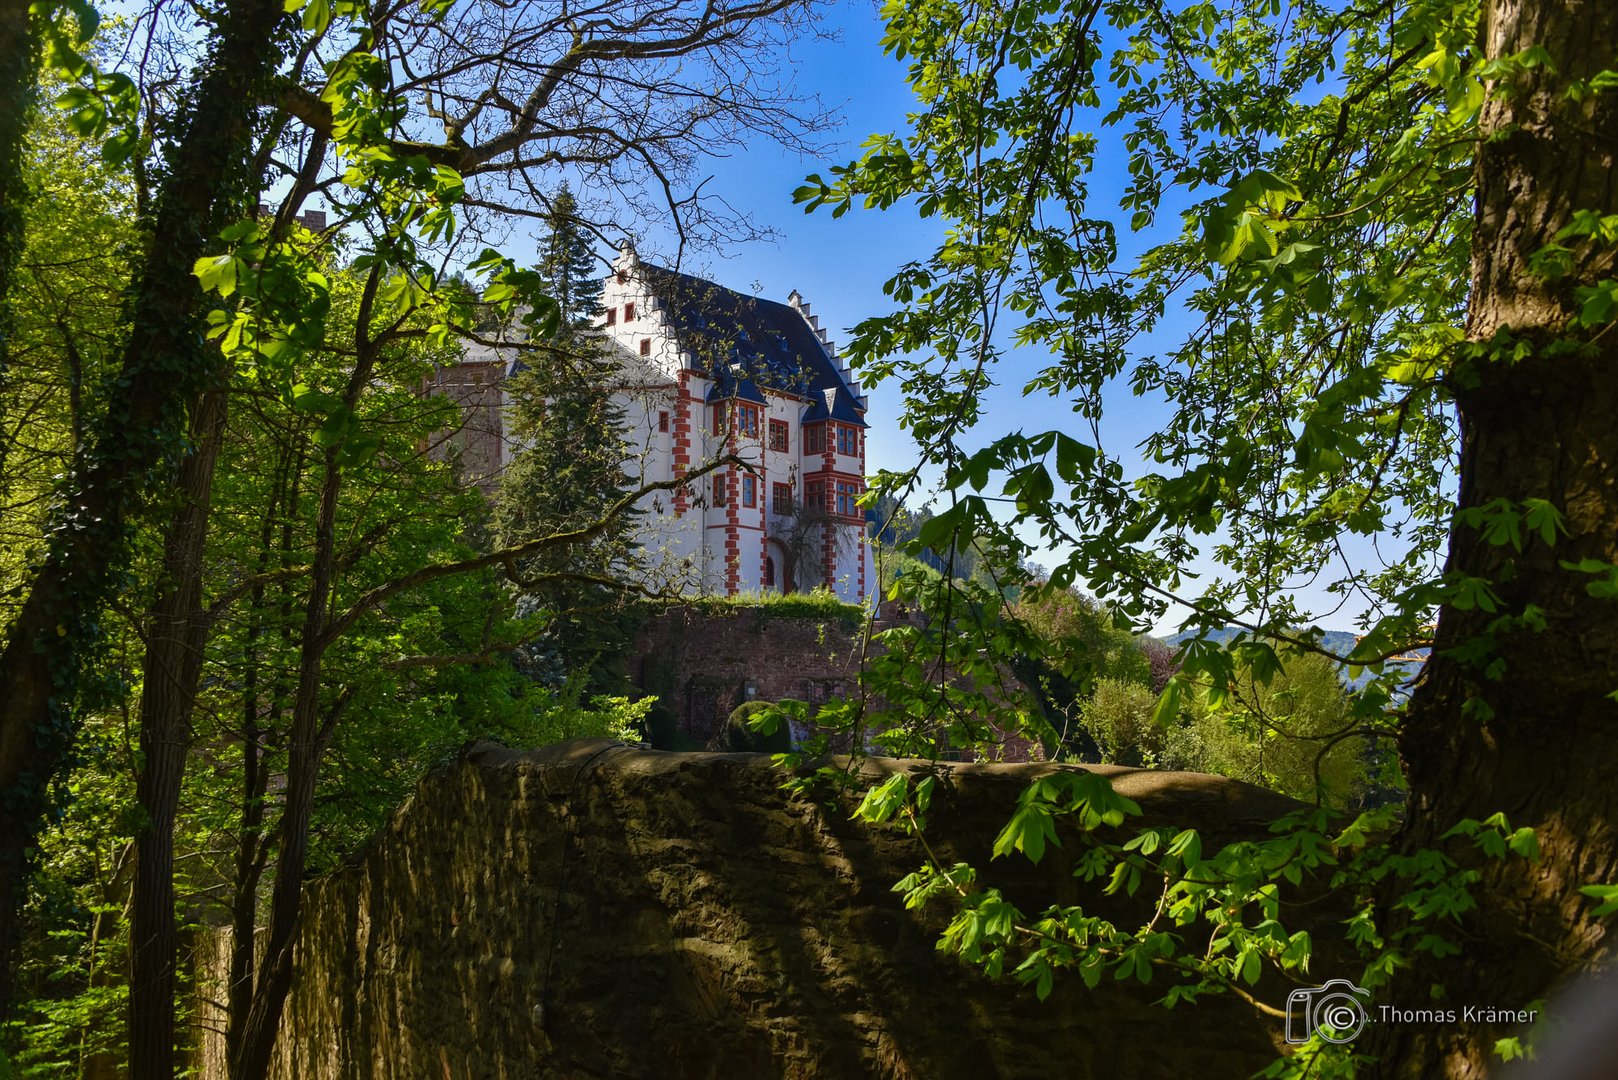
<point x="739" y="737"/>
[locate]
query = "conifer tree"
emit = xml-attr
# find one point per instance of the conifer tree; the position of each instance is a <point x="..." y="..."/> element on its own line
<point x="571" y="465"/>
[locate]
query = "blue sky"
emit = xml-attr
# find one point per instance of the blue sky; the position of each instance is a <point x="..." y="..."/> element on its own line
<point x="839" y="264"/>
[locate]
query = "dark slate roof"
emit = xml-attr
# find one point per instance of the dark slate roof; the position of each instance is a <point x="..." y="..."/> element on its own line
<point x="747" y="344"/>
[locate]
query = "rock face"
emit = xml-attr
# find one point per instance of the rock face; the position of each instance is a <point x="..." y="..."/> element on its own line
<point x="596" y="910"/>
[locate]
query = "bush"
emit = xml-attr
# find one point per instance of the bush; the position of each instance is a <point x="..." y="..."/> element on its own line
<point x="1273" y="735"/>
<point x="819" y="603"/>
<point x="662" y="728"/>
<point x="1119" y="718"/>
<point x="1267" y="735"/>
<point x="739" y="737"/>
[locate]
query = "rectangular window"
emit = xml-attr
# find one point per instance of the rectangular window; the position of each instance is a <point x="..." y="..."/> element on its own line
<point x="662" y="421"/>
<point x="848" y="440"/>
<point x="629" y="313"/>
<point x="719" y="489"/>
<point x="781" y="499"/>
<point x="814" y="439"/>
<point x="612" y="316"/>
<point x="814" y="495"/>
<point x="747" y="421"/>
<point x="779" y="437"/>
<point x="718" y="419"/>
<point x="847" y="495"/>
<point x="646" y="346"/>
<point x="749" y="490"/>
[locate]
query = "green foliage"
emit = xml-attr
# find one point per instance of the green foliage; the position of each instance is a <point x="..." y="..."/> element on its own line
<point x="1299" y="193"/>
<point x="751" y="728"/>
<point x="1119" y="718"/>
<point x="820" y="604"/>
<point x="1294" y="733"/>
<point x="570" y="469"/>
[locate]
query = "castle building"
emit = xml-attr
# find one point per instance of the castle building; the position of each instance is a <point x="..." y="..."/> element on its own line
<point x="702" y="372"/>
<point x="707" y="372"/>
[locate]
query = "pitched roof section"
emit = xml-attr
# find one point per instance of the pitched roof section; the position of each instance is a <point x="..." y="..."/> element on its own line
<point x="747" y="345"/>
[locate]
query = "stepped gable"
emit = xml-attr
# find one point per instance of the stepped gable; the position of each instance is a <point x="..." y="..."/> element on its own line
<point x="745" y="343"/>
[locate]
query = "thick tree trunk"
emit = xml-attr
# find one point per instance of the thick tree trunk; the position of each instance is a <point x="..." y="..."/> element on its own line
<point x="174" y="648"/>
<point x="1537" y="740"/>
<point x="19" y="47"/>
<point x="165" y="364"/>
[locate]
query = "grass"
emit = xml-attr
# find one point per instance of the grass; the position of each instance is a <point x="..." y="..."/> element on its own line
<point x="821" y="604"/>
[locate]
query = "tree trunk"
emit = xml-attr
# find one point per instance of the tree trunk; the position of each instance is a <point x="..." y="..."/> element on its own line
<point x="174" y="648"/>
<point x="19" y="48"/>
<point x="165" y="364"/>
<point x="256" y="1040"/>
<point x="1538" y="739"/>
<point x="309" y="736"/>
<point x="252" y="845"/>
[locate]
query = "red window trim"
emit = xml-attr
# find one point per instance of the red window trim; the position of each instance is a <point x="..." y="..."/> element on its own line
<point x="663" y="420"/>
<point x="629" y="313"/>
<point x="749" y="490"/>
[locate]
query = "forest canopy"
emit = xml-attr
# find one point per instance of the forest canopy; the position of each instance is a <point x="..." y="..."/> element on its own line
<point x="1361" y="257"/>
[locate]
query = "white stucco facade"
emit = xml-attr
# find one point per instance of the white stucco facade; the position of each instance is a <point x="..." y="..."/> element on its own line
<point x="706" y="373"/>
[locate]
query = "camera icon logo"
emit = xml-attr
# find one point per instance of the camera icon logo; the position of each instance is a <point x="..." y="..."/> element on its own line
<point x="1334" y="1010"/>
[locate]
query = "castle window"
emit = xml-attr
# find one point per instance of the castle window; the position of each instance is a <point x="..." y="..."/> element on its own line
<point x="747" y="420"/>
<point x="847" y="495"/>
<point x="779" y="438"/>
<point x="662" y="421"/>
<point x="769" y="572"/>
<point x="749" y="490"/>
<point x="814" y="439"/>
<point x="629" y="313"/>
<point x="718" y="419"/>
<point x="781" y="499"/>
<point x="719" y="489"/>
<point x="848" y="440"/>
<point x="814" y="494"/>
<point x="612" y="316"/>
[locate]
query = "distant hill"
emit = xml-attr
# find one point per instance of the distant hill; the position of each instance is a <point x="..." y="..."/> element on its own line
<point x="1340" y="642"/>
